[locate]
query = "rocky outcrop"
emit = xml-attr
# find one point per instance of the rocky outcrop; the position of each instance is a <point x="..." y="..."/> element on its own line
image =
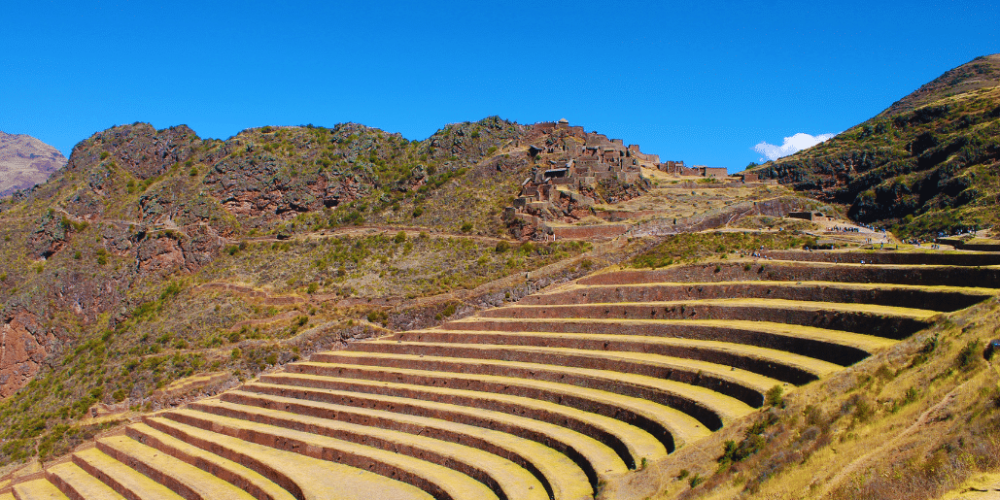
<point x="141" y="149"/>
<point x="22" y="350"/>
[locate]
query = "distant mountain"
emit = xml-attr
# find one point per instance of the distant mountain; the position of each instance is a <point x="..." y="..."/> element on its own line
<point x="929" y="163"/>
<point x="25" y="162"/>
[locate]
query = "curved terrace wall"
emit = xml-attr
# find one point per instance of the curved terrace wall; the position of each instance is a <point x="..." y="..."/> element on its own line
<point x="792" y="271"/>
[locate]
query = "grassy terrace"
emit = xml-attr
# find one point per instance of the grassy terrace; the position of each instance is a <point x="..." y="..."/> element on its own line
<point x="570" y="394"/>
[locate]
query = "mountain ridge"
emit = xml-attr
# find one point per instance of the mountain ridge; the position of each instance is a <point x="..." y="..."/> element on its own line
<point x="928" y="165"/>
<point x="981" y="72"/>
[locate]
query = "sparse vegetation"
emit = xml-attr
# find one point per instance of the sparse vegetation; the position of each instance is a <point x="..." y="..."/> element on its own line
<point x="689" y="247"/>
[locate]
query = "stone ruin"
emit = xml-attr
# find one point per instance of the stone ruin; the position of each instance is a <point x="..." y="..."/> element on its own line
<point x="576" y="170"/>
<point x="577" y="163"/>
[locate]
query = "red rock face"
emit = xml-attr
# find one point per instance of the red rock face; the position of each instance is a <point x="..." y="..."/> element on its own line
<point x="21" y="353"/>
<point x="160" y="255"/>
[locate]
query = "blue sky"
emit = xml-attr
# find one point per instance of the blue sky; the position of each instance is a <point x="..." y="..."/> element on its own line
<point x="702" y="82"/>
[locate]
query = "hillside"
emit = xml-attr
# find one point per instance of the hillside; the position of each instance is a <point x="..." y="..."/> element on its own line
<point x="158" y="265"/>
<point x="927" y="165"/>
<point x="25" y="162"/>
<point x="981" y="72"/>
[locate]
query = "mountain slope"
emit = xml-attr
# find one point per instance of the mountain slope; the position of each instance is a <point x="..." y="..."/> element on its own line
<point x="25" y="162"/>
<point x="981" y="72"/>
<point x="157" y="255"/>
<point x="929" y="164"/>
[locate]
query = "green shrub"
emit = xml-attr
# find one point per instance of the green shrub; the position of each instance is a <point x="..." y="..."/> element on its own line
<point x="862" y="409"/>
<point x="696" y="480"/>
<point x="968" y="356"/>
<point x="753" y="441"/>
<point x="378" y="317"/>
<point x="773" y="396"/>
<point x="930" y="345"/>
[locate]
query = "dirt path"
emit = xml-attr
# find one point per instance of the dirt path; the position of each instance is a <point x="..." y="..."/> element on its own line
<point x="372" y="230"/>
<point x="857" y="463"/>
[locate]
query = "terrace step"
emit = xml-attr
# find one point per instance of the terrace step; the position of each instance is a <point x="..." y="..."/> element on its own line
<point x="559" y="475"/>
<point x="242" y="477"/>
<point x="506" y="477"/>
<point x="780" y="365"/>
<point x="799" y="345"/>
<point x="708" y="406"/>
<point x="746" y="387"/>
<point x="596" y="460"/>
<point x="123" y="479"/>
<point x="184" y="479"/>
<point x="37" y="489"/>
<point x="441" y="482"/>
<point x="76" y="484"/>
<point x="963" y="258"/>
<point x="776" y="270"/>
<point x="672" y="427"/>
<point x="631" y="443"/>
<point x="7" y="496"/>
<point x="883" y="321"/>
<point x="301" y="475"/>
<point x="942" y="299"/>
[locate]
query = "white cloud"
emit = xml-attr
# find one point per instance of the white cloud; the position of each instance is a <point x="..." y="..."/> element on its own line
<point x="792" y="145"/>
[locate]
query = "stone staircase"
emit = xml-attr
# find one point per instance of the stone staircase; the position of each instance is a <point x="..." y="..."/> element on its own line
<point x="558" y="397"/>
